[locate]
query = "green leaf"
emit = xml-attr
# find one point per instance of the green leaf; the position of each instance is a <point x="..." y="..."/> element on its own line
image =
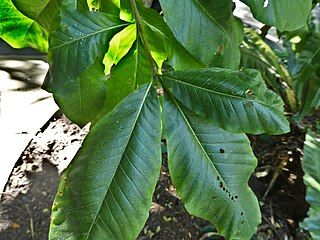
<point x="20" y="31"/>
<point x="285" y="15"/>
<point x="210" y="169"/>
<point x="205" y="28"/>
<point x="311" y="95"/>
<point x="43" y="12"/>
<point x="126" y="11"/>
<point x="307" y="72"/>
<point x="74" y="48"/>
<point x="257" y="54"/>
<point x="75" y="4"/>
<point x="83" y="98"/>
<point x="162" y="43"/>
<point x="106" y="192"/>
<point x="311" y="168"/>
<point x="119" y="46"/>
<point x="237" y="101"/>
<point x="106" y="6"/>
<point x="131" y="72"/>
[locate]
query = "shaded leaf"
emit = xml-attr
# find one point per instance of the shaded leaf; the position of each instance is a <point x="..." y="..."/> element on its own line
<point x="311" y="168"/>
<point x="285" y="15"/>
<point x="132" y="71"/>
<point x="257" y="54"/>
<point x="82" y="98"/>
<point x="307" y="72"/>
<point x="162" y="43"/>
<point x="210" y="169"/>
<point x="75" y="4"/>
<point x="207" y="29"/>
<point x="237" y="101"/>
<point x="106" y="192"/>
<point x="74" y="47"/>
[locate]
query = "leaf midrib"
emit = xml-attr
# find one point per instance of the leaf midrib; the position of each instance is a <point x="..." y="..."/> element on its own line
<point x="89" y="35"/>
<point x="219" y="93"/>
<point x="129" y="138"/>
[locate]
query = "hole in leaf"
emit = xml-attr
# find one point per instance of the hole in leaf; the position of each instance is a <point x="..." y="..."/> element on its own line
<point x="222" y="150"/>
<point x="250" y="94"/>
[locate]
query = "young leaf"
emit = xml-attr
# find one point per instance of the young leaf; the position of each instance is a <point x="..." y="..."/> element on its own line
<point x="207" y="29"/>
<point x="106" y="192"/>
<point x="237" y="101"/>
<point x="119" y="46"/>
<point x="210" y="169"/>
<point x="311" y="168"/>
<point x="42" y="11"/>
<point x="74" y="47"/>
<point x="285" y="15"/>
<point x="20" y="31"/>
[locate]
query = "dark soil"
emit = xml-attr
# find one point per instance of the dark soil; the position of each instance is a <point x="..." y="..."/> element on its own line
<point x="26" y="204"/>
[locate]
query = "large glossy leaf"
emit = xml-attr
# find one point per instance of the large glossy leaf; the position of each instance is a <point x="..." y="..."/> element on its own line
<point x="210" y="169"/>
<point x="106" y="192"/>
<point x="311" y="168"/>
<point x="74" y="48"/>
<point x="237" y="101"/>
<point x="20" y="31"/>
<point x="206" y="28"/>
<point x="42" y="11"/>
<point x="285" y="15"/>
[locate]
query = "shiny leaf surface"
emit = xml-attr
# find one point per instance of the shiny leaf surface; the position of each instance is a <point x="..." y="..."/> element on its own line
<point x="106" y="192"/>
<point x="237" y="101"/>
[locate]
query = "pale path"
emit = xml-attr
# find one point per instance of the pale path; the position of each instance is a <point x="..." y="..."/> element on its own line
<point x="24" y="109"/>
